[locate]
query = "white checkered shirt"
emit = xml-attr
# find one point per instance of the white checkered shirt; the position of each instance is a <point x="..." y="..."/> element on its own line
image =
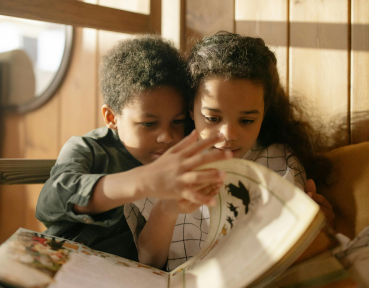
<point x="189" y="233"/>
<point x="278" y="157"/>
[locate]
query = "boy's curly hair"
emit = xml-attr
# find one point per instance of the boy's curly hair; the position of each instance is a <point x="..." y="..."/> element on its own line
<point x="138" y="64"/>
<point x="233" y="56"/>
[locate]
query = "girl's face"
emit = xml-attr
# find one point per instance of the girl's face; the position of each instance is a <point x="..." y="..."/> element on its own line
<point x="234" y="108"/>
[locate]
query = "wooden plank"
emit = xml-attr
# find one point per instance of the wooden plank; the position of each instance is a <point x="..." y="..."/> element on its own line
<point x="206" y="17"/>
<point x="77" y="13"/>
<point x="12" y="200"/>
<point x="136" y="6"/>
<point x="78" y="93"/>
<point x="24" y="171"/>
<point x="42" y="131"/>
<point x="360" y="71"/>
<point x="319" y="74"/>
<point x="155" y="16"/>
<point x="42" y="135"/>
<point x="267" y="19"/>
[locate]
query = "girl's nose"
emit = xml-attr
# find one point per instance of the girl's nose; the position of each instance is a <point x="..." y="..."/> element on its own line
<point x="229" y="132"/>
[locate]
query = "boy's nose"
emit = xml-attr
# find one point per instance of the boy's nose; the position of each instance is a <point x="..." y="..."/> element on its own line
<point x="165" y="136"/>
<point x="229" y="132"/>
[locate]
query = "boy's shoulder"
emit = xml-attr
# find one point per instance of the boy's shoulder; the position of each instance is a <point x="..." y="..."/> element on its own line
<point x="95" y="139"/>
<point x="98" y="133"/>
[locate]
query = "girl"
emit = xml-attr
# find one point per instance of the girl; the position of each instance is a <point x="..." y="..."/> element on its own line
<point x="236" y="92"/>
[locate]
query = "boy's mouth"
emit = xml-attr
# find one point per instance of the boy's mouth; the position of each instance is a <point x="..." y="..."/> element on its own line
<point x="157" y="154"/>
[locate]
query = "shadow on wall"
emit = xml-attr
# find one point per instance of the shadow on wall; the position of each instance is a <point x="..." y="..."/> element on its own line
<point x="359" y="129"/>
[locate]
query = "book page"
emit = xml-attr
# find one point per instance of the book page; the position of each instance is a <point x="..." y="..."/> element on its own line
<point x="260" y="218"/>
<point x="31" y="259"/>
<point x="91" y="272"/>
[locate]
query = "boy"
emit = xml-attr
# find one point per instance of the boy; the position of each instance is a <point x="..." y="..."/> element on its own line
<point x="144" y="84"/>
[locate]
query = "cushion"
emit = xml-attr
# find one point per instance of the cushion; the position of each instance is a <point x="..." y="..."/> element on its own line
<point x="348" y="189"/>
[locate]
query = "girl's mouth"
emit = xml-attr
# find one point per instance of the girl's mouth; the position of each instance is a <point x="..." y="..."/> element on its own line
<point x="233" y="150"/>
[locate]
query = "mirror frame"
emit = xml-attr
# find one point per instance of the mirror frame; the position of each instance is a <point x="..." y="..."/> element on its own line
<point x="55" y="83"/>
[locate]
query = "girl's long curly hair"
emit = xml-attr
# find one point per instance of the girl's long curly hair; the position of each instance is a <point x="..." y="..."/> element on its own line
<point x="233" y="56"/>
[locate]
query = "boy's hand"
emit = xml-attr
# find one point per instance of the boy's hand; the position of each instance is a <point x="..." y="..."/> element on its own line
<point x="172" y="176"/>
<point x="184" y="206"/>
<point x="325" y="206"/>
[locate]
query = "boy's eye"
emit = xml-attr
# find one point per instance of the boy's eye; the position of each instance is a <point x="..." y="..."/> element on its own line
<point x="179" y="121"/>
<point x="247" y="121"/>
<point x="212" y="119"/>
<point x="148" y="124"/>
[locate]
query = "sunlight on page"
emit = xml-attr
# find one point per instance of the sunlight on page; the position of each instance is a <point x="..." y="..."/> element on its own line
<point x="90" y="271"/>
<point x="210" y="275"/>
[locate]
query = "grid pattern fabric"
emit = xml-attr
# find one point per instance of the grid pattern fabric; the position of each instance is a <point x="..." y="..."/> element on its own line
<point x="189" y="233"/>
<point x="279" y="158"/>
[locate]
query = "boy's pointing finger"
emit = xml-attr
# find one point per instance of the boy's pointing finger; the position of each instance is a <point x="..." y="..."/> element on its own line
<point x="205" y="158"/>
<point x="202" y="145"/>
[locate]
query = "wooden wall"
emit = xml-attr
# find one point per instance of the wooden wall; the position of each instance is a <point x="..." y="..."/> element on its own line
<point x="323" y="56"/>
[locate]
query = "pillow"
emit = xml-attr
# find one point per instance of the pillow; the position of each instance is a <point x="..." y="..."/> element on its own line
<point x="348" y="190"/>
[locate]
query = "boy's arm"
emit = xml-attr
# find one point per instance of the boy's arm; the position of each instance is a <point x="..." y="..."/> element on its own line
<point x="172" y="176"/>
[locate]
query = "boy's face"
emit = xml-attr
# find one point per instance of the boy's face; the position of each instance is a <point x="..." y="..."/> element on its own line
<point x="152" y="123"/>
<point x="234" y="108"/>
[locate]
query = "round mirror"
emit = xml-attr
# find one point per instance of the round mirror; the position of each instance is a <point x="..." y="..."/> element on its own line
<point x="34" y="57"/>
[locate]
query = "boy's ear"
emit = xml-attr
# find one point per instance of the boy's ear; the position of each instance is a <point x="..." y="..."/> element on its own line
<point x="109" y="117"/>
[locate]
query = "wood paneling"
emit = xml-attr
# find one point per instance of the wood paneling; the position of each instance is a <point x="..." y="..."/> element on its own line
<point x="318" y="66"/>
<point x="360" y="71"/>
<point x="267" y="19"/>
<point x="77" y="13"/>
<point x="78" y="94"/>
<point x="206" y="17"/>
<point x="41" y="131"/>
<point x="12" y="198"/>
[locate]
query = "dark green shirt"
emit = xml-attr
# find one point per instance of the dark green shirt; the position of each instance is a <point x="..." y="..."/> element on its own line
<point x="81" y="163"/>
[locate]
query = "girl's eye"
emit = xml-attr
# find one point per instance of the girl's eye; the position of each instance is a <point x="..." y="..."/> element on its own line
<point x="147" y="124"/>
<point x="247" y="121"/>
<point x="179" y="121"/>
<point x="212" y="119"/>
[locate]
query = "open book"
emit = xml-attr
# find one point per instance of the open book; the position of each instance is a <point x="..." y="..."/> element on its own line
<point x="259" y="227"/>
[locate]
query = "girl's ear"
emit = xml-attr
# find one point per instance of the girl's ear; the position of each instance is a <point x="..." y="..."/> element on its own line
<point x="191" y="114"/>
<point x="109" y="117"/>
<point x="190" y="109"/>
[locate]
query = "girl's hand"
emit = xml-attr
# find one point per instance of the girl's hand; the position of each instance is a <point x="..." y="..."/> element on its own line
<point x="325" y="206"/>
<point x="172" y="176"/>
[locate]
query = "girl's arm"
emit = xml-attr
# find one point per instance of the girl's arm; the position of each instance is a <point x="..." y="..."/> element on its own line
<point x="155" y="238"/>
